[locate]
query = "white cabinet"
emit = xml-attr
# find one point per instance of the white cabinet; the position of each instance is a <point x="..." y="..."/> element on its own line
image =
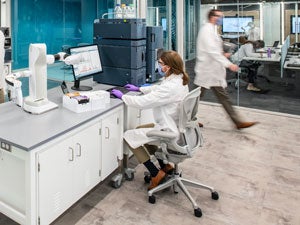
<point x="74" y="164"/>
<point x="66" y="171"/>
<point x="112" y="142"/>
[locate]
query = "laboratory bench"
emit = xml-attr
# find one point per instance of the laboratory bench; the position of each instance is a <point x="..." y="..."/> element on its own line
<point x="49" y="161"/>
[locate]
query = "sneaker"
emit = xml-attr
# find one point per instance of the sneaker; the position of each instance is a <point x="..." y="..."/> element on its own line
<point x="253" y="88"/>
<point x="168" y="169"/>
<point x="157" y="180"/>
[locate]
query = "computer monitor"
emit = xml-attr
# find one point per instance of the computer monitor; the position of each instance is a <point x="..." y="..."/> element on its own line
<point x="295" y="24"/>
<point x="164" y="23"/>
<point x="233" y="24"/>
<point x="87" y="64"/>
<point x="275" y="44"/>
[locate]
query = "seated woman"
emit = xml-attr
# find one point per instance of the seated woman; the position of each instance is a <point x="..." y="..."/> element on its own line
<point x="249" y="50"/>
<point x="164" y="99"/>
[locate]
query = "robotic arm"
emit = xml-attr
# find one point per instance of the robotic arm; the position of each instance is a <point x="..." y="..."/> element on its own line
<point x="14" y="86"/>
<point x="74" y="59"/>
<point x="37" y="101"/>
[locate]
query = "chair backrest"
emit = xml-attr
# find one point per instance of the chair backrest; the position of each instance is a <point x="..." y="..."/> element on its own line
<point x="174" y="148"/>
<point x="229" y="47"/>
<point x="190" y="134"/>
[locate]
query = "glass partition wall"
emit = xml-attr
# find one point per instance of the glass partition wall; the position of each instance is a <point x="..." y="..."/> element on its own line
<point x="273" y="22"/>
<point x="291" y="19"/>
<point x="159" y="13"/>
<point x="64" y="23"/>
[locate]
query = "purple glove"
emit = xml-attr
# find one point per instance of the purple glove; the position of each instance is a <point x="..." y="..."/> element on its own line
<point x="131" y="87"/>
<point x="117" y="93"/>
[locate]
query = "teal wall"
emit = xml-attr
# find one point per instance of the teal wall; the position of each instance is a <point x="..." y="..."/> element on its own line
<point x="56" y="23"/>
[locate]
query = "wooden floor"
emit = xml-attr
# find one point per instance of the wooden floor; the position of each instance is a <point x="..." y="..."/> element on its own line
<point x="256" y="172"/>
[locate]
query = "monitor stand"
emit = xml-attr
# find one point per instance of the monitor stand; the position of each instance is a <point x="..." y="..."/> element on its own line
<point x="78" y="87"/>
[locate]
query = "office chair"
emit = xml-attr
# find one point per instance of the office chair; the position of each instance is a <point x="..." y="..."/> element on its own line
<point x="174" y="150"/>
<point x="229" y="47"/>
<point x="238" y="78"/>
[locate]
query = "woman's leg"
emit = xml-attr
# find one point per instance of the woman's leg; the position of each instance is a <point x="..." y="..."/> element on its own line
<point x="143" y="156"/>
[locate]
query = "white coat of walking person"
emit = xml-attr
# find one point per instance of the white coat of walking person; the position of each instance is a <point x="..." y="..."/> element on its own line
<point x="211" y="64"/>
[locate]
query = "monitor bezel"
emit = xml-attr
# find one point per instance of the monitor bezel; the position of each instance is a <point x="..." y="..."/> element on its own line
<point x="77" y="80"/>
<point x="291" y="24"/>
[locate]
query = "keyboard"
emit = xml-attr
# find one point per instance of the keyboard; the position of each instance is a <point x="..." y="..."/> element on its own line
<point x="123" y="90"/>
<point x="293" y="65"/>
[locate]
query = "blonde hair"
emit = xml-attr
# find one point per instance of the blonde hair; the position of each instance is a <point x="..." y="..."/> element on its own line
<point x="174" y="61"/>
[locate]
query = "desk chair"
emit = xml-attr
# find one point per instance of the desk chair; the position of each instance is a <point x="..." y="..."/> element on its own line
<point x="176" y="150"/>
<point x="238" y="78"/>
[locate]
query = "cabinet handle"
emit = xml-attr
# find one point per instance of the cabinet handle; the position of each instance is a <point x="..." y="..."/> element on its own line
<point x="107" y="133"/>
<point x="79" y="149"/>
<point x="71" y="150"/>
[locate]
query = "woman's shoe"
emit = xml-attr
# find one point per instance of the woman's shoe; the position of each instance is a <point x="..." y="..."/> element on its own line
<point x="168" y="169"/>
<point x="158" y="179"/>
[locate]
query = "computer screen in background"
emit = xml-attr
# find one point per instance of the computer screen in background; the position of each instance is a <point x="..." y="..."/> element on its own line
<point x="275" y="44"/>
<point x="232" y="24"/>
<point x="164" y="23"/>
<point x="295" y="24"/>
<point x="86" y="65"/>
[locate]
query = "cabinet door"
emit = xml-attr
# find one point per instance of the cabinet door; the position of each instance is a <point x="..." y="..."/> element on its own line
<point x="112" y="132"/>
<point x="86" y="159"/>
<point x="55" y="186"/>
<point x="67" y="171"/>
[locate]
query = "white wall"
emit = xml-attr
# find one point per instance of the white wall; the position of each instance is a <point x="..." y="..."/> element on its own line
<point x="271" y="22"/>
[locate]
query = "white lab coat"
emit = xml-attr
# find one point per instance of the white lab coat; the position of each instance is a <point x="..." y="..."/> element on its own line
<point x="245" y="50"/>
<point x="164" y="100"/>
<point x="253" y="34"/>
<point x="210" y="60"/>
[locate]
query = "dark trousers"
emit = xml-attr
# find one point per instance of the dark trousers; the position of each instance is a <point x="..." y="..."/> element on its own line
<point x="223" y="98"/>
<point x="252" y="68"/>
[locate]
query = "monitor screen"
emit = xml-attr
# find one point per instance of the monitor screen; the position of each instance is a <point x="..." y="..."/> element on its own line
<point x="164" y="23"/>
<point x="295" y="24"/>
<point x="235" y="24"/>
<point x="86" y="63"/>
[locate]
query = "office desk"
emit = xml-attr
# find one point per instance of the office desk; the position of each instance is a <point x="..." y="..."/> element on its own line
<point x="292" y="59"/>
<point x="49" y="161"/>
<point x="274" y="58"/>
<point x="268" y="62"/>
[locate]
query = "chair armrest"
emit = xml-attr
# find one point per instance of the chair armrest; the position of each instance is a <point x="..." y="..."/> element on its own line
<point x="162" y="134"/>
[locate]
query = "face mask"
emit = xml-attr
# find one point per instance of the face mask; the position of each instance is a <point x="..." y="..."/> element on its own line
<point x="219" y="21"/>
<point x="161" y="73"/>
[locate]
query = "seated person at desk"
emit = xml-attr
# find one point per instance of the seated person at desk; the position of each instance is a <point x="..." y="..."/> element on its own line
<point x="164" y="99"/>
<point x="248" y="50"/>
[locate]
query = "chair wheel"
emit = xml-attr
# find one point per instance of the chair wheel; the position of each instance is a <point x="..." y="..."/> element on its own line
<point x="198" y="212"/>
<point x="215" y="195"/>
<point x="129" y="176"/>
<point x="151" y="199"/>
<point x="116" y="184"/>
<point x="147" y="179"/>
